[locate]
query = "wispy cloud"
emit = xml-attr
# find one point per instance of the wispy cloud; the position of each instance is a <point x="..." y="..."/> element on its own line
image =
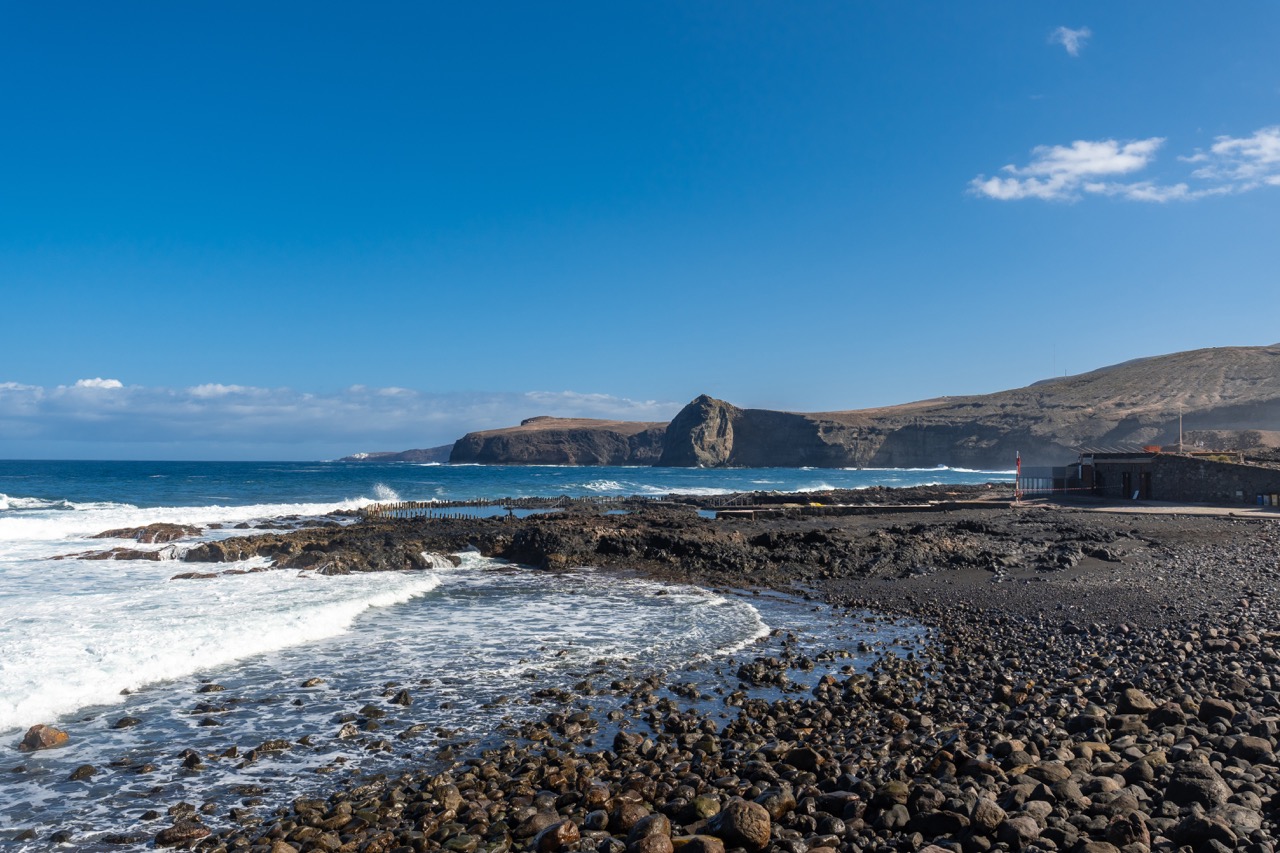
<point x="220" y="421"/>
<point x="1072" y="40"/>
<point x="1070" y="172"/>
<point x="1245" y="163"/>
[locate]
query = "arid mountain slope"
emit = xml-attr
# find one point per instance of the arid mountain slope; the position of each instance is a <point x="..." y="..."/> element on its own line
<point x="1229" y="398"/>
<point x="1231" y="391"/>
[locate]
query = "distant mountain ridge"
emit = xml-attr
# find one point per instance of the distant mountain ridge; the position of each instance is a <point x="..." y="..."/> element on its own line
<point x="423" y="455"/>
<point x="1227" y="396"/>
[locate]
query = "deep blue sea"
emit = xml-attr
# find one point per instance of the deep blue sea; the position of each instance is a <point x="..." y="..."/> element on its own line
<point x="190" y="484"/>
<point x="85" y="643"/>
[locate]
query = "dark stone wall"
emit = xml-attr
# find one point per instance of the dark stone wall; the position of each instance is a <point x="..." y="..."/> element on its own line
<point x="1190" y="479"/>
<point x="1179" y="478"/>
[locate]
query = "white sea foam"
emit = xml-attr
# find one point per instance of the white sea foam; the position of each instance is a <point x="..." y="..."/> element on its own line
<point x="106" y="627"/>
<point x="64" y="520"/>
<point x="14" y="503"/>
<point x="384" y="493"/>
<point x="603" y="486"/>
<point x="692" y="491"/>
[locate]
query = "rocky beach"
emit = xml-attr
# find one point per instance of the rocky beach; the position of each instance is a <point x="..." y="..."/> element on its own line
<point x="1091" y="681"/>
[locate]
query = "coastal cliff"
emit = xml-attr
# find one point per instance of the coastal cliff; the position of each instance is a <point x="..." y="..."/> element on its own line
<point x="563" y="441"/>
<point x="1229" y="398"/>
<point x="1231" y="394"/>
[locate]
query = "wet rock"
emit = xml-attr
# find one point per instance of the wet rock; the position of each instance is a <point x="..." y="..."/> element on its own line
<point x="151" y="533"/>
<point x="181" y="833"/>
<point x="534" y="824"/>
<point x="43" y="737"/>
<point x="741" y="824"/>
<point x="125" y="722"/>
<point x="625" y="815"/>
<point x="556" y="837"/>
<point x="776" y="801"/>
<point x="84" y="771"/>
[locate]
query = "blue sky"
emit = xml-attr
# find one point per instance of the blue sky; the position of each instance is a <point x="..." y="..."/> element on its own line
<point x="318" y="228"/>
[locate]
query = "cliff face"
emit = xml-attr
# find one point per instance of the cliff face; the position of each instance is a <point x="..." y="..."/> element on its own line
<point x="563" y="441"/>
<point x="1231" y="392"/>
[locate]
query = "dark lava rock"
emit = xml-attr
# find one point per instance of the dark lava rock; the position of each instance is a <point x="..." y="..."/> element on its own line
<point x="151" y="533"/>
<point x="1196" y="783"/>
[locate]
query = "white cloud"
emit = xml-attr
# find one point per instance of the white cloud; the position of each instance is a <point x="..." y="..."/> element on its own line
<point x="282" y="423"/>
<point x="214" y="389"/>
<point x="1071" y="39"/>
<point x="601" y="406"/>
<point x="1070" y="172"/>
<point x="1062" y="172"/>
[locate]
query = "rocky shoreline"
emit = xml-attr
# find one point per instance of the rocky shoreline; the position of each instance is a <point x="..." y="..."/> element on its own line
<point x="1094" y="683"/>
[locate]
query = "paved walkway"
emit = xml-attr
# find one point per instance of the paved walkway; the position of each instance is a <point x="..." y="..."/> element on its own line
<point x="1271" y="513"/>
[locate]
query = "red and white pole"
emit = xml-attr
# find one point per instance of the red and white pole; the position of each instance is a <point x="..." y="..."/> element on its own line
<point x="1017" y="479"/>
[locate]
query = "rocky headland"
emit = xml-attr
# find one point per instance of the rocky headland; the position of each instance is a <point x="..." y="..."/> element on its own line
<point x="564" y="441"/>
<point x="1094" y="682"/>
<point x="1228" y="397"/>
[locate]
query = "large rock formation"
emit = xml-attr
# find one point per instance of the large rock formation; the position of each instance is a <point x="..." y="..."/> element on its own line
<point x="564" y="441"/>
<point x="1232" y="393"/>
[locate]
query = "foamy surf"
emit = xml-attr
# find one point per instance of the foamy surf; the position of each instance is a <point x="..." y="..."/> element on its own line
<point x="137" y="628"/>
<point x="66" y="520"/>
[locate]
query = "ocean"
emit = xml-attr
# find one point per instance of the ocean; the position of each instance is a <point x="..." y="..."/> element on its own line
<point x="396" y="666"/>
